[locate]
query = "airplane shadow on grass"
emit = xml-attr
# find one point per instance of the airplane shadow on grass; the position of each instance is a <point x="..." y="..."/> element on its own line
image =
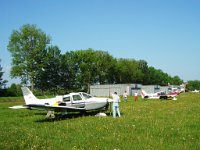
<point x="59" y="117"/>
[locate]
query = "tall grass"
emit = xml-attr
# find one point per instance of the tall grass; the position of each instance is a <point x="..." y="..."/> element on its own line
<point x="146" y="124"/>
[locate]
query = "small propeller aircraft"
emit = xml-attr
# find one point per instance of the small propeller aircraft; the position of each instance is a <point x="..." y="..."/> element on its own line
<point x="72" y="102"/>
<point x="159" y="95"/>
<point x="144" y="94"/>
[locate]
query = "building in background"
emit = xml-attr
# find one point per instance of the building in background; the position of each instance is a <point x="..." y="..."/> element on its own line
<point x="105" y="90"/>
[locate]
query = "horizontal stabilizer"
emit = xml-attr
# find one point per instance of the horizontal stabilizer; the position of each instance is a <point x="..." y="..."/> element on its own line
<point x="19" y="107"/>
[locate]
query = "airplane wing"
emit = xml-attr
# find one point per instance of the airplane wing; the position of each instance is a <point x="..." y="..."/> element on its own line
<point x="168" y="96"/>
<point x="55" y="108"/>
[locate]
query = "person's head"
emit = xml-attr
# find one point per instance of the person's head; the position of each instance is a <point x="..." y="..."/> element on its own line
<point x="115" y="93"/>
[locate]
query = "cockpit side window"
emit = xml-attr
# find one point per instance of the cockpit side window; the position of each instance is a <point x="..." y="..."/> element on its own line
<point x="66" y="99"/>
<point x="77" y="97"/>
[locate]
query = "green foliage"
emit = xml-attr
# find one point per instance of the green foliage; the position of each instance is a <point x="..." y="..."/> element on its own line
<point x="131" y="71"/>
<point x="27" y="48"/>
<point x="47" y="77"/>
<point x="14" y="90"/>
<point x="2" y="82"/>
<point x="143" y="67"/>
<point x="158" y="77"/>
<point x="69" y="71"/>
<point x="176" y="80"/>
<point x="193" y="85"/>
<point x="150" y="124"/>
<point x="87" y="67"/>
<point x="105" y="66"/>
<point x="127" y="71"/>
<point x="93" y="67"/>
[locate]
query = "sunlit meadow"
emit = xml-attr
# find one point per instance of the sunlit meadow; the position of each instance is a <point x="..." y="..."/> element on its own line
<point x="145" y="124"/>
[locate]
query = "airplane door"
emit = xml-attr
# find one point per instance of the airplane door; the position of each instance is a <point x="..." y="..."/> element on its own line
<point x="77" y="101"/>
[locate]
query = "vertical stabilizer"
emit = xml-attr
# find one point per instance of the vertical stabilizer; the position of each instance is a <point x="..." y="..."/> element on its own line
<point x="143" y="94"/>
<point x="28" y="96"/>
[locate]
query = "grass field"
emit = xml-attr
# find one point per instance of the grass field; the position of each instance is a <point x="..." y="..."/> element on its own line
<point x="149" y="124"/>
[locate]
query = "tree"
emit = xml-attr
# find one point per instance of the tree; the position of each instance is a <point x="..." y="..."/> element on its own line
<point x="105" y="64"/>
<point x="143" y="67"/>
<point x="92" y="67"/>
<point x="48" y="75"/>
<point x="193" y="85"/>
<point x="176" y="80"/>
<point x="2" y="82"/>
<point x="14" y="90"/>
<point x="27" y="48"/>
<point x="70" y="71"/>
<point x="87" y="70"/>
<point x="157" y="77"/>
<point x="128" y="71"/>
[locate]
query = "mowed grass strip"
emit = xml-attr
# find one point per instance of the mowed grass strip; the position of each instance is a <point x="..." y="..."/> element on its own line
<point x="145" y="124"/>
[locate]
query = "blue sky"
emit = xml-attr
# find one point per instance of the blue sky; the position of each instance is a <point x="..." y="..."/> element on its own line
<point x="165" y="33"/>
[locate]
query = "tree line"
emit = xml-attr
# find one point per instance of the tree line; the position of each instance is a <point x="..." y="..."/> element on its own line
<point x="42" y="65"/>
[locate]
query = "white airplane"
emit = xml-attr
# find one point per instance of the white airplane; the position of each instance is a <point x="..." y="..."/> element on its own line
<point x="144" y="94"/>
<point x="159" y="95"/>
<point x="73" y="102"/>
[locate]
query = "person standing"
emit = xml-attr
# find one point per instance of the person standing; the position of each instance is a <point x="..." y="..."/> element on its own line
<point x="136" y="96"/>
<point x="115" y="105"/>
<point x="125" y="95"/>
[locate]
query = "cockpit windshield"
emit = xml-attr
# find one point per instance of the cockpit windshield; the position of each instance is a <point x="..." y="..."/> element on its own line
<point x="86" y="96"/>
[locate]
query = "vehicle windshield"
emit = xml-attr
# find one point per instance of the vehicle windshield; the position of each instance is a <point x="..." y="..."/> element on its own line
<point x="86" y="96"/>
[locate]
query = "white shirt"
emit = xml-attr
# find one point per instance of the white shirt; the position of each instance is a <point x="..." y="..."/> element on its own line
<point x="116" y="98"/>
<point x="125" y="95"/>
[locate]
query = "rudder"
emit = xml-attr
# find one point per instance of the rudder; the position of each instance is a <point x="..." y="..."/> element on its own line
<point x="28" y="96"/>
<point x="143" y="94"/>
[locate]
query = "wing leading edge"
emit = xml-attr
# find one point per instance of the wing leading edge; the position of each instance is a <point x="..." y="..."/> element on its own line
<point x="55" y="108"/>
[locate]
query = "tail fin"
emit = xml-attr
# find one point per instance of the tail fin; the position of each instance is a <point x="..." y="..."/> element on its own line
<point x="143" y="94"/>
<point x="28" y="96"/>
